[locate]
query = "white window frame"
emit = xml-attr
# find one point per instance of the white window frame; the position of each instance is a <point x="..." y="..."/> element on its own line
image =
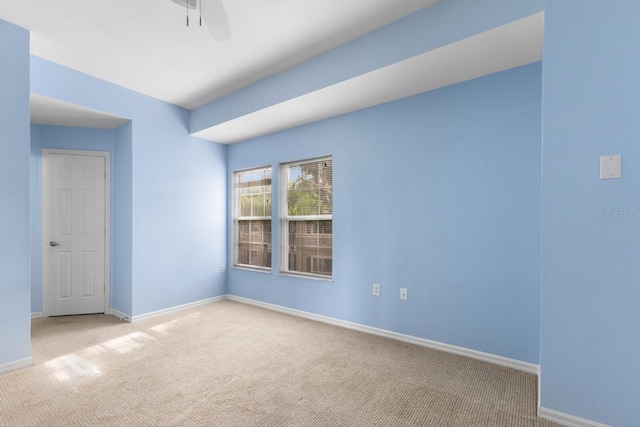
<point x="285" y="219"/>
<point x="237" y="219"/>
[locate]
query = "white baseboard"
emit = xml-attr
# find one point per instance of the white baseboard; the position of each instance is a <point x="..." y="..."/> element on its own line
<point x="566" y="419"/>
<point x="120" y="315"/>
<point x="37" y="315"/>
<point x="175" y="308"/>
<point x="15" y="365"/>
<point x="474" y="354"/>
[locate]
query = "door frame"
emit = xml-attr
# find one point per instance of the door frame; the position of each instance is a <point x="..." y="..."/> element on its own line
<point x="46" y="152"/>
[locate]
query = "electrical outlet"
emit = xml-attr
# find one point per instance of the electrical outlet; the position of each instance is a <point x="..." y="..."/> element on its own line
<point x="403" y="294"/>
<point x="376" y="290"/>
<point x="222" y="269"/>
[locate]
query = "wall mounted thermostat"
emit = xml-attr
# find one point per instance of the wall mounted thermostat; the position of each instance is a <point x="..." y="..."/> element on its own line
<point x="611" y="166"/>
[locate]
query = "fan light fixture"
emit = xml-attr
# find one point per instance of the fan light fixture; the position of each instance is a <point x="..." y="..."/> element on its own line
<point x="212" y="13"/>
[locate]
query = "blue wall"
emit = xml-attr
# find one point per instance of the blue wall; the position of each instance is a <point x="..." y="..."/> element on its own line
<point x="438" y="193"/>
<point x="71" y="138"/>
<point x="169" y="218"/>
<point x="591" y="264"/>
<point x="15" y="323"/>
<point x="122" y="221"/>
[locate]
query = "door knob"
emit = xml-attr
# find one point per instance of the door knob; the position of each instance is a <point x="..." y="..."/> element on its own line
<point x="53" y="243"/>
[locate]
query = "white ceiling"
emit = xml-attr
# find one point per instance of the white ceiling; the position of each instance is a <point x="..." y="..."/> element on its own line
<point x="50" y="111"/>
<point x="145" y="45"/>
<point x="508" y="46"/>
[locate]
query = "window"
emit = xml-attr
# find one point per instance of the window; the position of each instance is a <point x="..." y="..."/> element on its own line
<point x="252" y="218"/>
<point x="306" y="218"/>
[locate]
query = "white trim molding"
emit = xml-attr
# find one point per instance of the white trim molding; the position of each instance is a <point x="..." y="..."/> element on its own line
<point x="120" y="315"/>
<point x="15" y="365"/>
<point x="37" y="315"/>
<point x="172" y="309"/>
<point x="474" y="354"/>
<point x="566" y="419"/>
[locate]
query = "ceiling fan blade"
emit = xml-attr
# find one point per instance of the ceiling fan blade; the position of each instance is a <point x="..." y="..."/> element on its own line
<point x="215" y="17"/>
<point x="191" y="4"/>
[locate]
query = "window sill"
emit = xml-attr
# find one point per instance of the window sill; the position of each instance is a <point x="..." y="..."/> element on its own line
<point x="257" y="270"/>
<point x="306" y="276"/>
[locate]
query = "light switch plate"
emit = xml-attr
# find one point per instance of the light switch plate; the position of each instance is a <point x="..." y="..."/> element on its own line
<point x="611" y="166"/>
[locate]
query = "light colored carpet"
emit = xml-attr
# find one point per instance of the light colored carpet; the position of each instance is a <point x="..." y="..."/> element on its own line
<point x="230" y="364"/>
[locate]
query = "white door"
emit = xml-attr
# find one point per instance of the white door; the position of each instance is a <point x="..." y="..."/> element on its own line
<point x="75" y="214"/>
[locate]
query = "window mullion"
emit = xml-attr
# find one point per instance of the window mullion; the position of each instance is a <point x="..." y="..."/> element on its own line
<point x="309" y="218"/>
